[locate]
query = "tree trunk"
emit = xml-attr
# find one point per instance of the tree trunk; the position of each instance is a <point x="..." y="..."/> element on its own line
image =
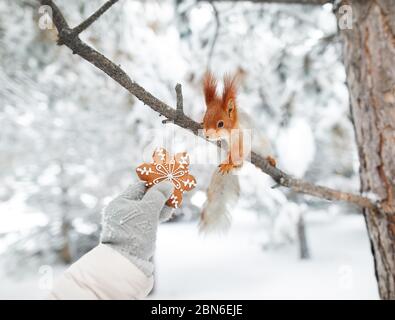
<point x="65" y="252"/>
<point x="369" y="56"/>
<point x="304" y="252"/>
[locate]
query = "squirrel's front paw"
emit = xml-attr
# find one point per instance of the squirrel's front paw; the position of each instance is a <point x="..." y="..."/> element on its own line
<point x="271" y="161"/>
<point x="226" y="167"/>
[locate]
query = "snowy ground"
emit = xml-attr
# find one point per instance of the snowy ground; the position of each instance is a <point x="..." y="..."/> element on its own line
<point x="235" y="266"/>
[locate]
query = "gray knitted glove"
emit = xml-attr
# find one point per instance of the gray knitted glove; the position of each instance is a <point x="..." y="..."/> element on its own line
<point x="130" y="222"/>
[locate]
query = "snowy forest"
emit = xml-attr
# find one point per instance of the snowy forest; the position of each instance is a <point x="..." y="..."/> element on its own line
<point x="316" y="76"/>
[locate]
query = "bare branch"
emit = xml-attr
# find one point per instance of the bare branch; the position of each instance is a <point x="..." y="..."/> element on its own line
<point x="180" y="105"/>
<point x="180" y="100"/>
<point x="180" y="119"/>
<point x="308" y="188"/>
<point x="85" y="24"/>
<point x="216" y="34"/>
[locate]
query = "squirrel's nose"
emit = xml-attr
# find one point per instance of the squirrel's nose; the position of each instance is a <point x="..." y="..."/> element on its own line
<point x="210" y="134"/>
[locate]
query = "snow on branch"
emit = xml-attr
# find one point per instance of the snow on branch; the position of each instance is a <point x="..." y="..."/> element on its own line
<point x="69" y="37"/>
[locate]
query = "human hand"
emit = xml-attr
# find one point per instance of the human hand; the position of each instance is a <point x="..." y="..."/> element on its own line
<point x="131" y="220"/>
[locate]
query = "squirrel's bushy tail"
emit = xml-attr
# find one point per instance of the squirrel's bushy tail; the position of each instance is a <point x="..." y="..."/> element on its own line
<point x="222" y="195"/>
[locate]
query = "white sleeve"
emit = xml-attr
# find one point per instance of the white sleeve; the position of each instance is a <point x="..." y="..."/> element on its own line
<point x="102" y="273"/>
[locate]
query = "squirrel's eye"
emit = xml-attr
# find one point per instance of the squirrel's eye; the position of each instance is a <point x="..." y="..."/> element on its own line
<point x="220" y="124"/>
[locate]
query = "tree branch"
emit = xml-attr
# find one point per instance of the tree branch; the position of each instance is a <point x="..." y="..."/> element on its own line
<point x="180" y="101"/>
<point x="216" y="34"/>
<point x="180" y="105"/>
<point x="85" y="24"/>
<point x="179" y="118"/>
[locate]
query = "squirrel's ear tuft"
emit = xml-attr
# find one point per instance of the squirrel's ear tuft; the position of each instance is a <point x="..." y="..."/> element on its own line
<point x="229" y="94"/>
<point x="230" y="107"/>
<point x="209" y="88"/>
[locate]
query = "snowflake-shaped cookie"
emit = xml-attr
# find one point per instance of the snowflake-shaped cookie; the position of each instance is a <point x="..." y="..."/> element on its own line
<point x="174" y="169"/>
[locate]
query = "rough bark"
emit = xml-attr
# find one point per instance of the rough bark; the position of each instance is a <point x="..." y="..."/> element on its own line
<point x="369" y="56"/>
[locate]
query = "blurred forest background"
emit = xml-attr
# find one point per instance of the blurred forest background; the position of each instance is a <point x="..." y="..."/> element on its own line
<point x="71" y="138"/>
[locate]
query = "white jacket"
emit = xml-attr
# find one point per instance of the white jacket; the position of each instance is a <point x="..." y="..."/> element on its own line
<point x="102" y="273"/>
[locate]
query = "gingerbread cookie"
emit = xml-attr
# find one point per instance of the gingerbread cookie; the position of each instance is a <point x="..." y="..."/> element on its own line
<point x="174" y="169"/>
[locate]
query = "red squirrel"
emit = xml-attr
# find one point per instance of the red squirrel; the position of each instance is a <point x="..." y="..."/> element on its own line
<point x="224" y="120"/>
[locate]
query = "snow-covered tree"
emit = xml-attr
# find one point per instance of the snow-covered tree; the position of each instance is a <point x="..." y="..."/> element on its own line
<point x="72" y="137"/>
